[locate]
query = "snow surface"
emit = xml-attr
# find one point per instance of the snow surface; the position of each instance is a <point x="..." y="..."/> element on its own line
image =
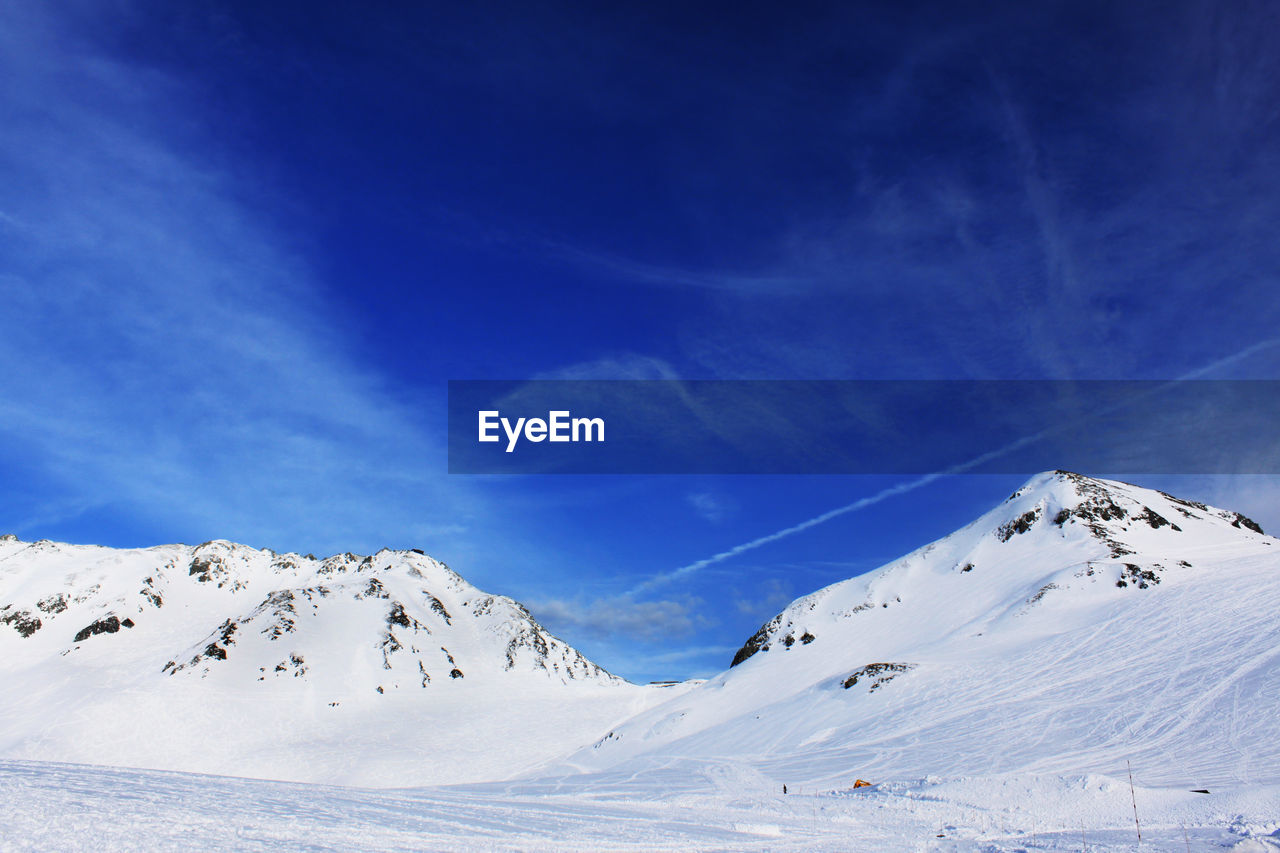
<point x="996" y="686"/>
<point x="690" y="805"/>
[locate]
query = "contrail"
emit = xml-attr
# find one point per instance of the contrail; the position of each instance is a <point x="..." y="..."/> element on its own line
<point x="861" y="503"/>
<point x="923" y="480"/>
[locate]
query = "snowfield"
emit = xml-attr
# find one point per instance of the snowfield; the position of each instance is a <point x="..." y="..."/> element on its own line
<point x="996" y="687"/>
<point x="686" y="806"/>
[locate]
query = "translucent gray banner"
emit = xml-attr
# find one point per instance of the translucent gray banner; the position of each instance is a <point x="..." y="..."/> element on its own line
<point x="863" y="427"/>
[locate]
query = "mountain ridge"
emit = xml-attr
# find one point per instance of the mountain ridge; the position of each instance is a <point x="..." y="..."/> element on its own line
<point x="221" y="570"/>
<point x="1076" y="625"/>
<point x="1063" y="498"/>
<point x="377" y="669"/>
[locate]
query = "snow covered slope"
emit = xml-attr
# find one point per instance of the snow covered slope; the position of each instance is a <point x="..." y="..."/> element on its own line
<point x="72" y="807"/>
<point x="1080" y="624"/>
<point x="388" y="669"/>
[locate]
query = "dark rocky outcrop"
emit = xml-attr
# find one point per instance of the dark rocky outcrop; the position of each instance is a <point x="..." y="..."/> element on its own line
<point x="215" y="649"/>
<point x="1243" y="521"/>
<point x="374" y="589"/>
<point x="22" y="621"/>
<point x="1185" y="503"/>
<point x="150" y="593"/>
<point x="1041" y="593"/>
<point x="108" y="624"/>
<point x="757" y="642"/>
<point x="1021" y="524"/>
<point x="53" y="603"/>
<point x="1138" y="576"/>
<point x="438" y="607"/>
<point x="295" y="662"/>
<point x="1097" y="508"/>
<point x="1155" y="519"/>
<point x="203" y="568"/>
<point x="878" y="674"/>
<point x="281" y="605"/>
<point x="397" y="616"/>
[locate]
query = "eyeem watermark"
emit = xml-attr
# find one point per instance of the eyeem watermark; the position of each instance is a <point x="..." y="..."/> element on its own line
<point x="558" y="426"/>
<point x="863" y="426"/>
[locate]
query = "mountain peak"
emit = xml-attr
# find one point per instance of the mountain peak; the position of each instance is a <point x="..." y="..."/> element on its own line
<point x="403" y="618"/>
<point x="1125" y="622"/>
<point x="1060" y="535"/>
<point x="138" y="656"/>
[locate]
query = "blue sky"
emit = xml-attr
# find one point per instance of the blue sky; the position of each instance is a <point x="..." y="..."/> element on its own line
<point x="243" y="247"/>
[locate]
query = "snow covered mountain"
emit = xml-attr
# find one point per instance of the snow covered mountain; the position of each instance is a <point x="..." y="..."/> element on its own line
<point x="996" y="685"/>
<point x="384" y="669"/>
<point x="1080" y="624"/>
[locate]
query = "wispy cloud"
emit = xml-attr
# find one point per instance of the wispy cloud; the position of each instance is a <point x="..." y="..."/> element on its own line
<point x="1110" y="216"/>
<point x="664" y="578"/>
<point x="693" y="653"/>
<point x="618" y="366"/>
<point x="714" y="508"/>
<point x="165" y="349"/>
<point x="906" y="486"/>
<point x="773" y="595"/>
<point x="623" y="617"/>
<point x="629" y="269"/>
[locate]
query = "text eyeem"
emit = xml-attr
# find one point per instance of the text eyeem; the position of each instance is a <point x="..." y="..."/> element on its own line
<point x="558" y="426"/>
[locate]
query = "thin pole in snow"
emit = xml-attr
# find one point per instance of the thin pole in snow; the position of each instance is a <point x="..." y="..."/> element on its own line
<point x="1134" y="797"/>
